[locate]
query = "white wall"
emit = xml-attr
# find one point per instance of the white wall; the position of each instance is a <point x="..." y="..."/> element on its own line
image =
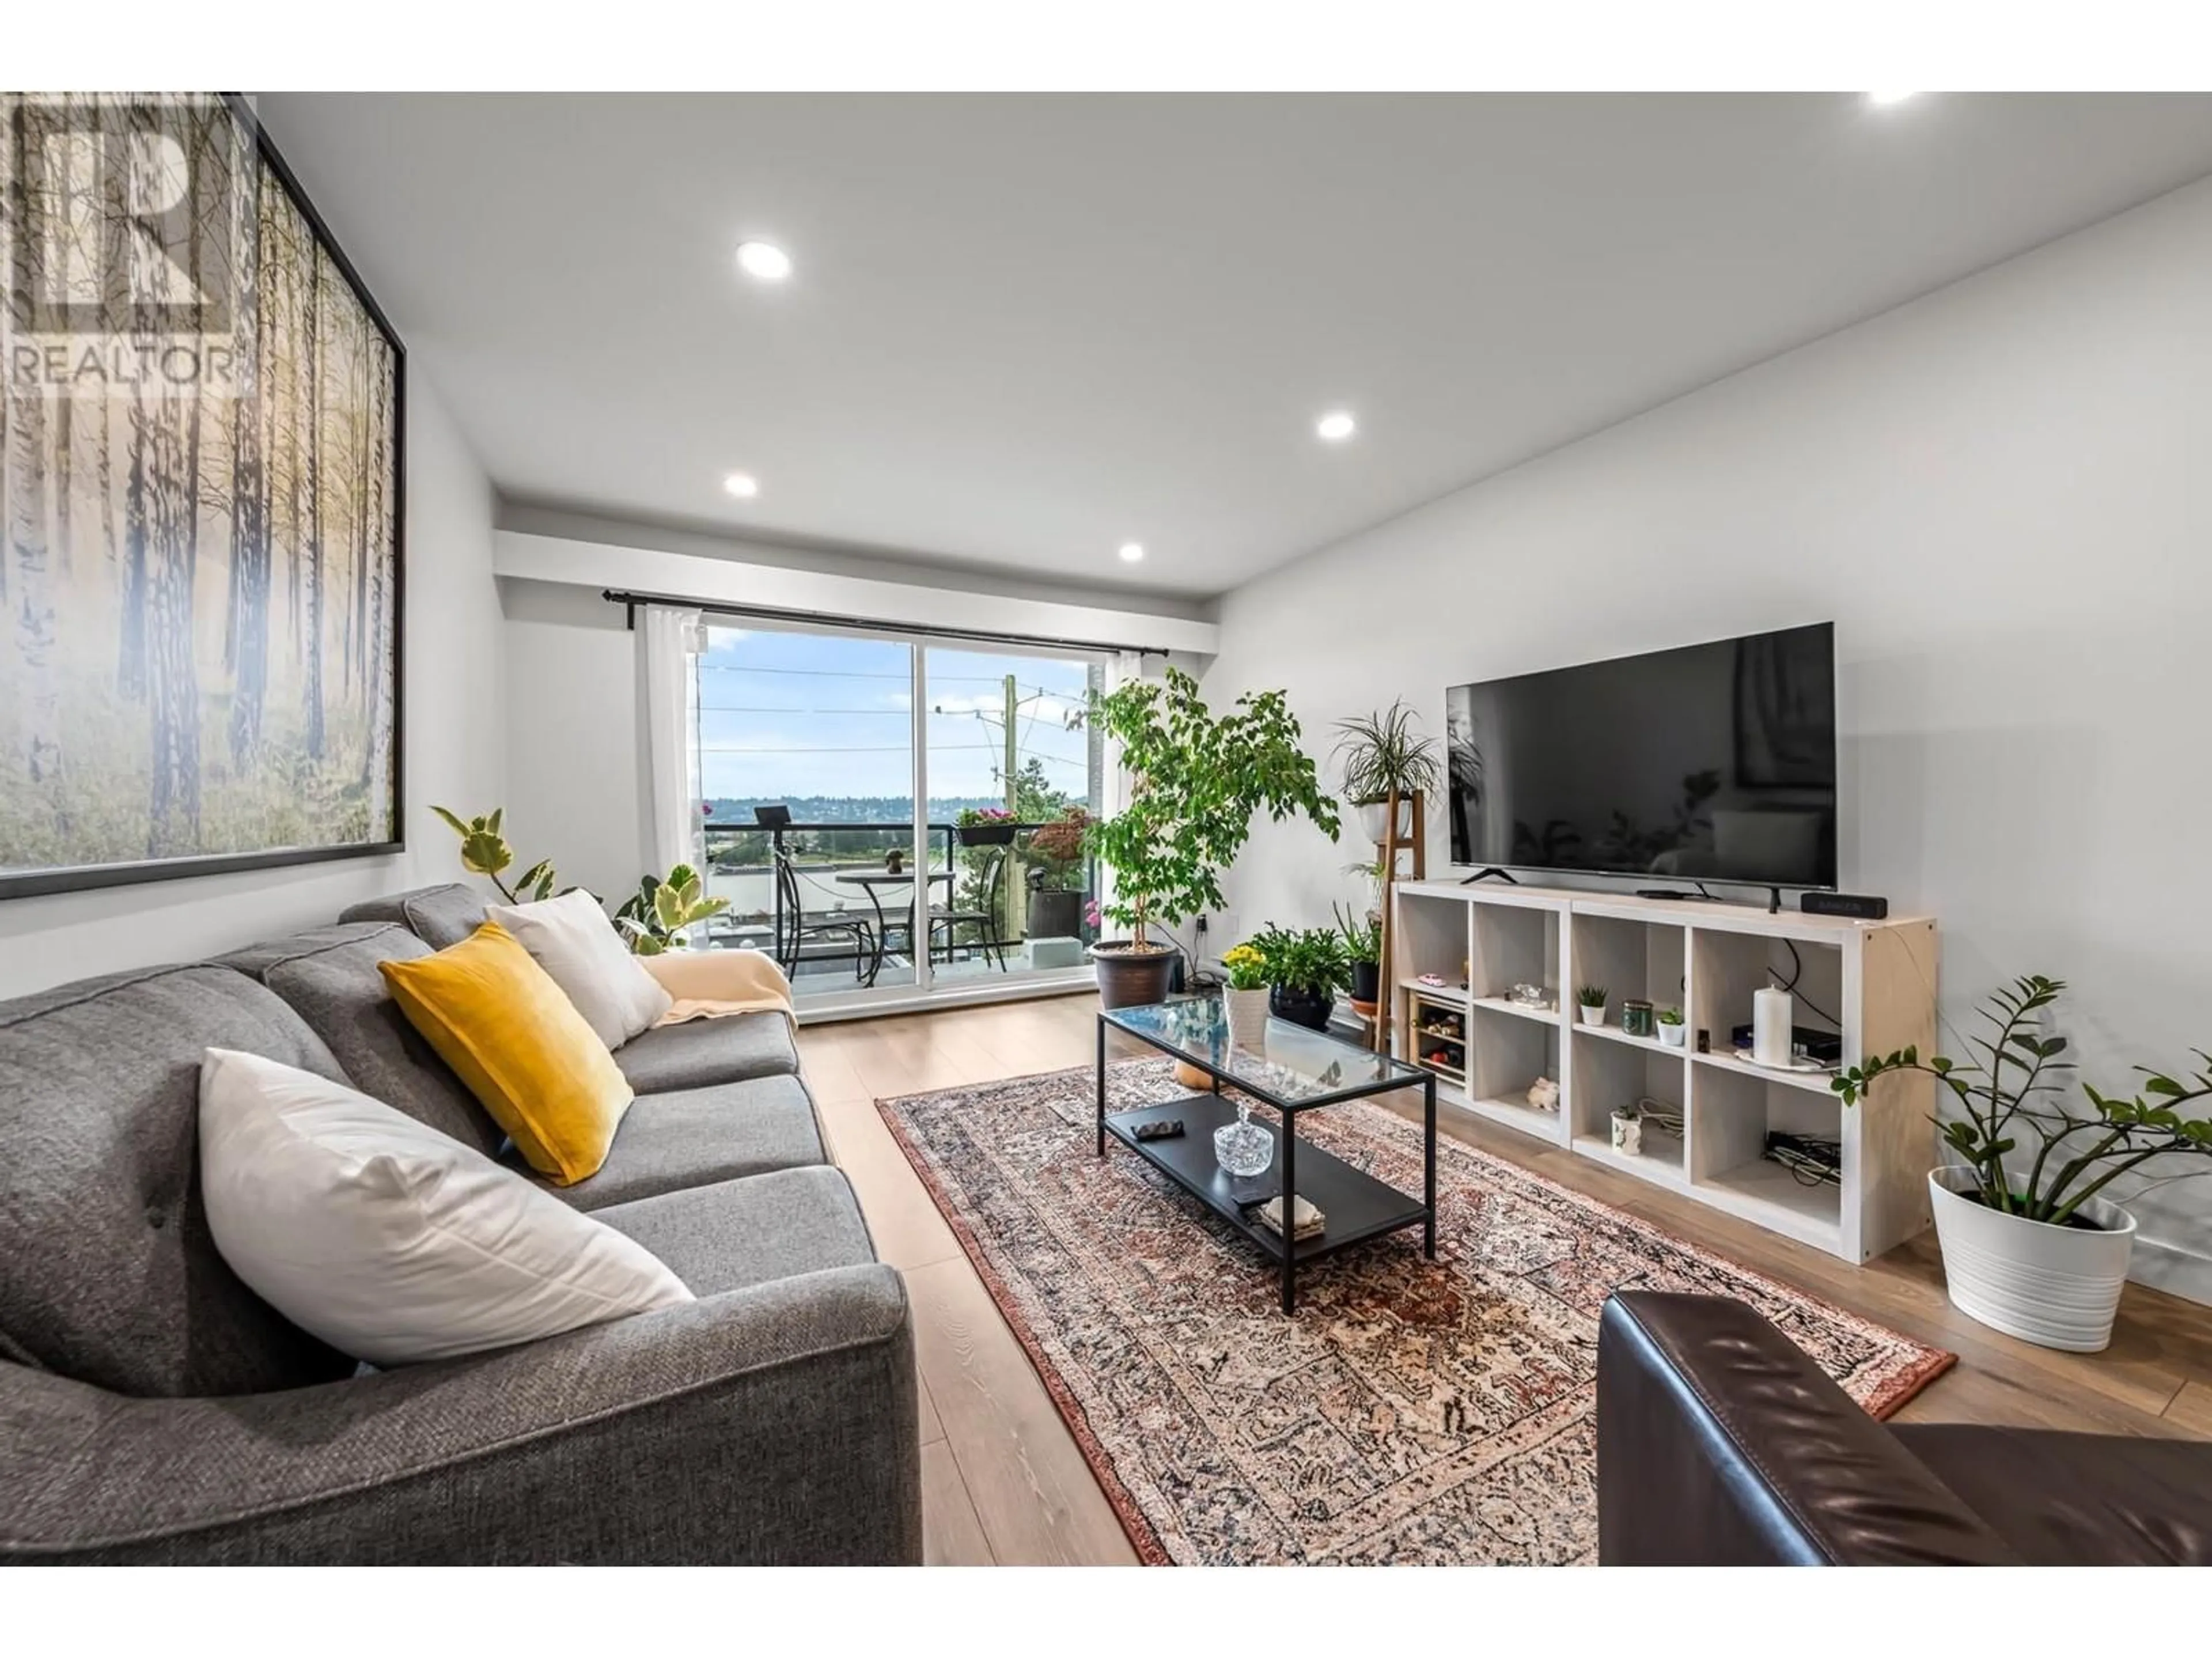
<point x="575" y="754"/>
<point x="454" y="715"/>
<point x="2002" y="494"/>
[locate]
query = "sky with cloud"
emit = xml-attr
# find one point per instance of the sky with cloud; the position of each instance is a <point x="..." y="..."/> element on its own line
<point x="792" y="714"/>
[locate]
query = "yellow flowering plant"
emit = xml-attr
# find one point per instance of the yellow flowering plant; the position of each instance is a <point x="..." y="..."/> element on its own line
<point x="1246" y="968"/>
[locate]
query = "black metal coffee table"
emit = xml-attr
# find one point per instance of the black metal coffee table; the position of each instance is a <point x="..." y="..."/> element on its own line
<point x="1293" y="1070"/>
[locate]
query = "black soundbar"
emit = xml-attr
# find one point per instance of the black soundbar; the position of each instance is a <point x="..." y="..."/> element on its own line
<point x="1859" y="907"/>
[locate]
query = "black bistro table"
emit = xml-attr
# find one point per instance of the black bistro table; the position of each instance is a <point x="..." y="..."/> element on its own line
<point x="1293" y="1070"/>
<point x="872" y="882"/>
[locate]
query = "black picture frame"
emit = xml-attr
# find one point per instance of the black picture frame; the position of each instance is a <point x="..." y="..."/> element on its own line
<point x="34" y="883"/>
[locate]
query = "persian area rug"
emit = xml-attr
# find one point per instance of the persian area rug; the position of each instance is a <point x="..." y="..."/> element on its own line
<point x="1411" y="1411"/>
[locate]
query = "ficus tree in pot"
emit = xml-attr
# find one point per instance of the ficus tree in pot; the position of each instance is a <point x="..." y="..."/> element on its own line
<point x="2022" y="1220"/>
<point x="1196" y="779"/>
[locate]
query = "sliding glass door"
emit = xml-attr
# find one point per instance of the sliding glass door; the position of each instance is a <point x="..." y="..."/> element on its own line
<point x="807" y="761"/>
<point x="815" y="745"/>
<point x="1011" y="778"/>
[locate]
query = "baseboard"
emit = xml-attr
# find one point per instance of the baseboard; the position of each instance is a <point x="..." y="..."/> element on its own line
<point x="1070" y="981"/>
<point x="2169" y="1267"/>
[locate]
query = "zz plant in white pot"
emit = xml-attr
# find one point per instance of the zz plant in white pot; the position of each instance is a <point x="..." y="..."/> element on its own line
<point x="2030" y="1245"/>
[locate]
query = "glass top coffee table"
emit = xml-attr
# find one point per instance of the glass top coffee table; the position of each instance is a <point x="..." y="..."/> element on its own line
<point x="1293" y="1070"/>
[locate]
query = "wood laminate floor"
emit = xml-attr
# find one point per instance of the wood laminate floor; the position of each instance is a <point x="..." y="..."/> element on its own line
<point x="1002" y="1481"/>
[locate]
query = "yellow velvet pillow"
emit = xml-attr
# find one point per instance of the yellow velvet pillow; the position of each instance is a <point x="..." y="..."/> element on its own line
<point x="497" y="1018"/>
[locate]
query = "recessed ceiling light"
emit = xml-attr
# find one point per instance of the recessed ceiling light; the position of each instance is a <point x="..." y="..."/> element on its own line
<point x="1130" y="552"/>
<point x="742" y="485"/>
<point x="1884" y="100"/>
<point x="763" y="260"/>
<point x="1336" y="426"/>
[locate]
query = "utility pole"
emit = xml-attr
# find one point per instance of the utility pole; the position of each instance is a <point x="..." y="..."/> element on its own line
<point x="1014" y="707"/>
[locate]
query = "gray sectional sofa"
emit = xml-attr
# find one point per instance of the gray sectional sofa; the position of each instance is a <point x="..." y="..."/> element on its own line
<point x="154" y="1409"/>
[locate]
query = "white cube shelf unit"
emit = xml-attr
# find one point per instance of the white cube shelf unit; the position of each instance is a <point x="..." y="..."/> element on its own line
<point x="1873" y="982"/>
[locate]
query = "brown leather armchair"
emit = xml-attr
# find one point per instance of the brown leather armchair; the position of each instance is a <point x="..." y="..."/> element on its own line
<point x="1720" y="1443"/>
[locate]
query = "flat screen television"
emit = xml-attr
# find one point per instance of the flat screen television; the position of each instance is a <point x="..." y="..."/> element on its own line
<point x="1710" y="762"/>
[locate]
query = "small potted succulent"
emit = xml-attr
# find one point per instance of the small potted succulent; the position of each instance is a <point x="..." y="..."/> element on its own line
<point x="1244" y="1003"/>
<point x="1589" y="1004"/>
<point x="1304" y="969"/>
<point x="1672" y="1031"/>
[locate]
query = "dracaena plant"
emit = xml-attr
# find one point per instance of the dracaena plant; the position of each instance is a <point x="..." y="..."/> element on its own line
<point x="1196" y="778"/>
<point x="2034" y="1153"/>
<point x="658" y="916"/>
<point x="485" y="853"/>
<point x="1362" y="932"/>
<point x="1384" y="754"/>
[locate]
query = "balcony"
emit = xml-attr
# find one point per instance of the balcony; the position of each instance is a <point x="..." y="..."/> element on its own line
<point x="839" y="919"/>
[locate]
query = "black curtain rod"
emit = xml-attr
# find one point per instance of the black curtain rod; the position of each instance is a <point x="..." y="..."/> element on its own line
<point x="630" y="602"/>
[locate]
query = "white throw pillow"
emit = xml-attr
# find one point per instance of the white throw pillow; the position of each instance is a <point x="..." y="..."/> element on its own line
<point x="390" y="1241"/>
<point x="571" y="939"/>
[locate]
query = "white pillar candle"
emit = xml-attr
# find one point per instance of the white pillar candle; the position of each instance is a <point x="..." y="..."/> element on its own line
<point x="1771" y="1021"/>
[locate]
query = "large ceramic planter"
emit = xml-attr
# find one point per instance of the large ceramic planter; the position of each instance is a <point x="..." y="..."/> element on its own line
<point x="1306" y="1008"/>
<point x="2057" y="1287"/>
<point x="1246" y="1012"/>
<point x="1375" y="818"/>
<point x="1055" y="914"/>
<point x="1130" y="978"/>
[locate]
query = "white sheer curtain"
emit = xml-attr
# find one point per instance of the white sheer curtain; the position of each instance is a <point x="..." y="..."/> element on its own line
<point x="1114" y="781"/>
<point x="667" y="643"/>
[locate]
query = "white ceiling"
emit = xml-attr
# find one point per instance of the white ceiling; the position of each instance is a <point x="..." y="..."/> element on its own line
<point x="1023" y="330"/>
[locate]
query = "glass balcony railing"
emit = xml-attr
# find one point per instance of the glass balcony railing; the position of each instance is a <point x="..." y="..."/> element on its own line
<point x="1004" y="896"/>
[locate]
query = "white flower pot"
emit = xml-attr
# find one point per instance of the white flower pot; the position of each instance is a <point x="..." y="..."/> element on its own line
<point x="1590" y="1015"/>
<point x="1672" y="1036"/>
<point x="1627" y="1133"/>
<point x="1247" y="1014"/>
<point x="2057" y="1287"/>
<point x="1375" y="815"/>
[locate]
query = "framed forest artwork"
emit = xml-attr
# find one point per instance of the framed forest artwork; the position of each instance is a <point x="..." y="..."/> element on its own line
<point x="201" y="505"/>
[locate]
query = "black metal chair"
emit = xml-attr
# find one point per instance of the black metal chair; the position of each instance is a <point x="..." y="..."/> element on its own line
<point x="795" y="926"/>
<point x="984" y="921"/>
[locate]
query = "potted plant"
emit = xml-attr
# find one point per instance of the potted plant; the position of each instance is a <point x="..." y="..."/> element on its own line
<point x="660" y="915"/>
<point x="485" y="852"/>
<point x="1304" y="969"/>
<point x="1382" y="757"/>
<point x="1589" y="1004"/>
<point x="1672" y="1031"/>
<point x="1196" y="779"/>
<point x="1363" y="952"/>
<point x="985" y="826"/>
<point x="1244" y="1003"/>
<point x="1627" y="1130"/>
<point x="1055" y="876"/>
<point x="2029" y="1246"/>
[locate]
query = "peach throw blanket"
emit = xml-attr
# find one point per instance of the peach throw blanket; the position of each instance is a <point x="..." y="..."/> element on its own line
<point x="708" y="984"/>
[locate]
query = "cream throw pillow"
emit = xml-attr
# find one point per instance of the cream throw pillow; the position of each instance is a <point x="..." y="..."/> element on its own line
<point x="571" y="939"/>
<point x="390" y="1241"/>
